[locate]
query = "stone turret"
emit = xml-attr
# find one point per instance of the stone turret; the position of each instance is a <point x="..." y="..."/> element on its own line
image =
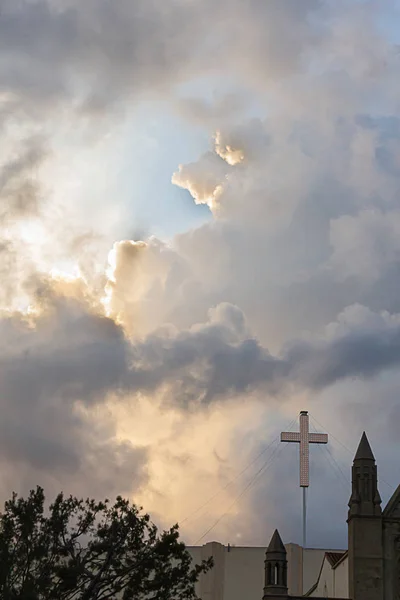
<point x="365" y="530"/>
<point x="275" y="569"/>
<point x="365" y="499"/>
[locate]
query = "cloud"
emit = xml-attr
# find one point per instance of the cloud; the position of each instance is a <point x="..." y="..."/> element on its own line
<point x="203" y="179"/>
<point x="307" y="224"/>
<point x="69" y="351"/>
<point x="142" y="375"/>
<point x="18" y="189"/>
<point x="248" y="140"/>
<point x="101" y="52"/>
<point x="221" y="359"/>
<point x="370" y="238"/>
<point x="55" y="367"/>
<point x="224" y="107"/>
<point x="143" y="280"/>
<point x="359" y="344"/>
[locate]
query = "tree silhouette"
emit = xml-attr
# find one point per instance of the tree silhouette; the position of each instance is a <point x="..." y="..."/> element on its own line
<point x="88" y="550"/>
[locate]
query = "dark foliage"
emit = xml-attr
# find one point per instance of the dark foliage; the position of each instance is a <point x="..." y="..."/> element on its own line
<point x="87" y="550"/>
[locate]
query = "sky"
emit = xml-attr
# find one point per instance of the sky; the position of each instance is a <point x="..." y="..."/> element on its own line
<point x="200" y="237"/>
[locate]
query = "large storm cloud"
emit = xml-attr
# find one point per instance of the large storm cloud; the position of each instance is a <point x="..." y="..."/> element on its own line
<point x="157" y="370"/>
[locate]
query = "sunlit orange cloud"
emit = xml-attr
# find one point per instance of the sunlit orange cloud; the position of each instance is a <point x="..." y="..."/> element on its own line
<point x="60" y="283"/>
<point x="192" y="458"/>
<point x="233" y="156"/>
<point x="121" y="268"/>
<point x="201" y="190"/>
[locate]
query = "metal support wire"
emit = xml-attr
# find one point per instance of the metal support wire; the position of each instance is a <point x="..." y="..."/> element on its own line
<point x="235" y="478"/>
<point x="266" y="466"/>
<point x="351" y="453"/>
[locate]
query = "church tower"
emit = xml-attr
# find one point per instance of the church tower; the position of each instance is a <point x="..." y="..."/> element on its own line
<point x="365" y="530"/>
<point x="275" y="570"/>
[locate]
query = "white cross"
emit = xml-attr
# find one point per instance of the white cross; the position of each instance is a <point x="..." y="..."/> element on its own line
<point x="304" y="437"/>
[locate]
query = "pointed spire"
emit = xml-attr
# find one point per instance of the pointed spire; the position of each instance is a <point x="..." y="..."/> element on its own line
<point x="276" y="544"/>
<point x="365" y="499"/>
<point x="364" y="451"/>
<point x="275" y="569"/>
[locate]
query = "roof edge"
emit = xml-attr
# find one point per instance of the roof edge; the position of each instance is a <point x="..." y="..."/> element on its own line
<point x="393" y="501"/>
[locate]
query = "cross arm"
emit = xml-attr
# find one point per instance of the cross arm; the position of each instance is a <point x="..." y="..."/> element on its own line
<point x="290" y="436"/>
<point x="318" y="438"/>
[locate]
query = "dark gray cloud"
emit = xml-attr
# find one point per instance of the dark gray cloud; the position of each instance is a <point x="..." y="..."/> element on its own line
<point x="52" y="371"/>
<point x="19" y="185"/>
<point x="74" y="355"/>
<point x="216" y="360"/>
<point x="98" y="52"/>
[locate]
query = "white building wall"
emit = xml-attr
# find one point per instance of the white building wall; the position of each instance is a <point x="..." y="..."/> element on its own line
<point x="238" y="573"/>
<point x="312" y="562"/>
<point x="325" y="587"/>
<point x="333" y="582"/>
<point x="341" y="575"/>
<point x="244" y="573"/>
<point x="294" y="555"/>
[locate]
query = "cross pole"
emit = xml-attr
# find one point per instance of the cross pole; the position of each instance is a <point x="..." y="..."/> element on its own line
<point x="304" y="438"/>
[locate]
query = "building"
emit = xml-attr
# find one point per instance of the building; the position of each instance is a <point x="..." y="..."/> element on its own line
<point x="368" y="570"/>
<point x="239" y="571"/>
